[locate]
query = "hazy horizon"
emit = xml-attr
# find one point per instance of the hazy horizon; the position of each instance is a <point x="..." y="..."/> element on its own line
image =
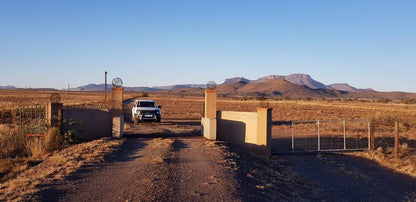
<point x="50" y="44"/>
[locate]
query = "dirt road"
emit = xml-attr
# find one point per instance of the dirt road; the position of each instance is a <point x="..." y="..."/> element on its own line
<point x="171" y="162"/>
<point x="170" y="169"/>
<point x="195" y="169"/>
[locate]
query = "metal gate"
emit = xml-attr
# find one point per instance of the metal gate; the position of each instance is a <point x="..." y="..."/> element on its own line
<point x="320" y="135"/>
<point x="32" y="119"/>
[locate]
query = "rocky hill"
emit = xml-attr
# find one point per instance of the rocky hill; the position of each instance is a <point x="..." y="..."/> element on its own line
<point x="293" y="86"/>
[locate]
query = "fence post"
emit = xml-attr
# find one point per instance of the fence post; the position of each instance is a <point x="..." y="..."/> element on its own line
<point x="59" y="124"/>
<point x="293" y="139"/>
<point x="319" y="137"/>
<point x="20" y="120"/>
<point x="345" y="139"/>
<point x="371" y="130"/>
<point x="396" y="140"/>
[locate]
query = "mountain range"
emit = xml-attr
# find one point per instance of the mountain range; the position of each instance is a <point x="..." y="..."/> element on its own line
<point x="293" y="86"/>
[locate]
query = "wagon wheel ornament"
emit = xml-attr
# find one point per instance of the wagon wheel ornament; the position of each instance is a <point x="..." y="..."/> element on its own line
<point x="117" y="82"/>
<point x="55" y="98"/>
<point x="211" y="85"/>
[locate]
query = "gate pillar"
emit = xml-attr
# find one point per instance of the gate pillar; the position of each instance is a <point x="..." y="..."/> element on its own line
<point x="53" y="114"/>
<point x="117" y="101"/>
<point x="209" y="121"/>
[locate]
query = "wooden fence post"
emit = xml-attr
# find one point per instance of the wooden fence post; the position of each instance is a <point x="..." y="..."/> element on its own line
<point x="396" y="140"/>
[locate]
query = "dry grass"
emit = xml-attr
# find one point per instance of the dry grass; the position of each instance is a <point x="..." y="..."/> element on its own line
<point x="36" y="148"/>
<point x="12" y="143"/>
<point x="406" y="163"/>
<point x="14" y="99"/>
<point x="56" y="167"/>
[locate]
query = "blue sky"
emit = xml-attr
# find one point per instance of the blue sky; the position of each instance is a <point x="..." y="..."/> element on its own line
<point x="368" y="44"/>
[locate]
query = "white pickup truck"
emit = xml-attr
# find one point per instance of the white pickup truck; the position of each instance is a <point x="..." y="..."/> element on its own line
<point x="145" y="110"/>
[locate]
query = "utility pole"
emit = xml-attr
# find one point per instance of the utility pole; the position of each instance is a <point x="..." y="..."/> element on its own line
<point x="105" y="88"/>
<point x="68" y="91"/>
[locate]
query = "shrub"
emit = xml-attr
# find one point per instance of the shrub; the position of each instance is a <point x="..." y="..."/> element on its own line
<point x="71" y="137"/>
<point x="409" y="101"/>
<point x="12" y="143"/>
<point x="36" y="147"/>
<point x="383" y="119"/>
<point x="53" y="140"/>
<point x="386" y="100"/>
<point x="264" y="104"/>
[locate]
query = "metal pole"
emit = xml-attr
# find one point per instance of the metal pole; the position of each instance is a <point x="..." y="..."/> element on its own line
<point x="105" y="87"/>
<point x="319" y="137"/>
<point x="369" y="136"/>
<point x="345" y="139"/>
<point x="396" y="140"/>
<point x="293" y="139"/>
<point x="20" y="117"/>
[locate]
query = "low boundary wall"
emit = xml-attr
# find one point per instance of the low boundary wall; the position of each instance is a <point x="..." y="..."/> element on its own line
<point x="251" y="130"/>
<point x="89" y="123"/>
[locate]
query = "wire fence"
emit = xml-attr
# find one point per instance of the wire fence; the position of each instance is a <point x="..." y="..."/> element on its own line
<point x="320" y="135"/>
<point x="32" y="119"/>
<point x="394" y="139"/>
<point x="94" y="105"/>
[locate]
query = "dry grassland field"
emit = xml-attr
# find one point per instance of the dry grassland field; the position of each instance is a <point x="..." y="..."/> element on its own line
<point x="182" y="114"/>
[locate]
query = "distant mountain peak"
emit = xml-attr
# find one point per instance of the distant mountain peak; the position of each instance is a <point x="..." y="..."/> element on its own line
<point x="7" y="87"/>
<point x="343" y="87"/>
<point x="235" y="80"/>
<point x="305" y="79"/>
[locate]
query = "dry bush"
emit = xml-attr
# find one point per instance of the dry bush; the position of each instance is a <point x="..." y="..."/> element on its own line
<point x="12" y="143"/>
<point x="379" y="119"/>
<point x="36" y="147"/>
<point x="53" y="140"/>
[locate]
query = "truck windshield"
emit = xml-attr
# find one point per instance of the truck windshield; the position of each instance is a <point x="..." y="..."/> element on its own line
<point x="146" y="104"/>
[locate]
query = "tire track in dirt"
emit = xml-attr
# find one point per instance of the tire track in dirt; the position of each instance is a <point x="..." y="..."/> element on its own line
<point x="169" y="169"/>
<point x="201" y="176"/>
<point x="129" y="175"/>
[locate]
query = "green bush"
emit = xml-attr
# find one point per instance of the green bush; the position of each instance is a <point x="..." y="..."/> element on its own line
<point x="71" y="137"/>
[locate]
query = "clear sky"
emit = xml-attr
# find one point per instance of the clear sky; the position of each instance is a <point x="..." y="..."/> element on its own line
<point x="368" y="44"/>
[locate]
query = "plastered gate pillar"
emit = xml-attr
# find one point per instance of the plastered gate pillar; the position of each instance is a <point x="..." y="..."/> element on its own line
<point x="264" y="130"/>
<point x="117" y="101"/>
<point x="209" y="121"/>
<point x="53" y="114"/>
<point x="117" y="111"/>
